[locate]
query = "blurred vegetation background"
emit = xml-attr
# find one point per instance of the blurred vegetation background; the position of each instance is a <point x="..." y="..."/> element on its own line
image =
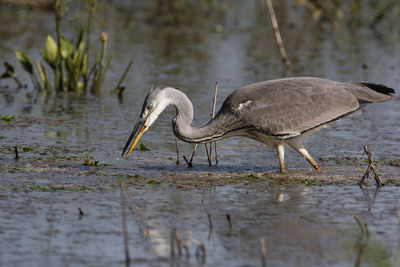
<point x="74" y="55"/>
<point x="180" y="11"/>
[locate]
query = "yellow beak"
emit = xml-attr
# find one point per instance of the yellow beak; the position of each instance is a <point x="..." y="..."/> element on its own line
<point x="141" y="131"/>
<point x="137" y="132"/>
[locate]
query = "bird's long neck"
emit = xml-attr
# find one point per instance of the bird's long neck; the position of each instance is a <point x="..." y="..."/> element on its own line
<point x="184" y="117"/>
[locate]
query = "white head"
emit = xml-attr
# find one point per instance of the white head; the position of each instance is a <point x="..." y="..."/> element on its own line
<point x="155" y="103"/>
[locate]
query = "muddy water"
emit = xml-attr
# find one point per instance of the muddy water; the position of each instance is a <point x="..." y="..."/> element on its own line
<point x="306" y="218"/>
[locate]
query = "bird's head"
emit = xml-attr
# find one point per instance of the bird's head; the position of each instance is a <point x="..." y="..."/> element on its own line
<point x="155" y="102"/>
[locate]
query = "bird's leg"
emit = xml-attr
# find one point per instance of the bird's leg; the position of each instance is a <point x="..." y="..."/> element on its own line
<point x="189" y="162"/>
<point x="300" y="148"/>
<point x="281" y="154"/>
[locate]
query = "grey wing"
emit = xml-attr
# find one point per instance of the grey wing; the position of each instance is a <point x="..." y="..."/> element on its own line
<point x="289" y="112"/>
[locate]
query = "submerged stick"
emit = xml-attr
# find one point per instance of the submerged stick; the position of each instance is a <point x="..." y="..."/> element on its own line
<point x="216" y="153"/>
<point x="229" y="219"/>
<point x="380" y="14"/>
<point x="172" y="244"/>
<point x="117" y="88"/>
<point x="16" y="153"/>
<point x="176" y="241"/>
<point x="277" y="34"/>
<point x="200" y="251"/>
<point x="208" y="152"/>
<point x="9" y="73"/>
<point x="362" y="241"/>
<point x="81" y="214"/>
<point x="210" y="221"/>
<point x="186" y="248"/>
<point x="263" y="253"/>
<point x="124" y="223"/>
<point x="371" y="166"/>
<point x="212" y="117"/>
<point x="177" y="151"/>
<point x="397" y="214"/>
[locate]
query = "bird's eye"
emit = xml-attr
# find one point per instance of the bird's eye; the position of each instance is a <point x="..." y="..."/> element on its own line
<point x="149" y="107"/>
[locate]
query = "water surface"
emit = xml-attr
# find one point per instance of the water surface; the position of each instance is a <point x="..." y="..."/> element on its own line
<point x="303" y="225"/>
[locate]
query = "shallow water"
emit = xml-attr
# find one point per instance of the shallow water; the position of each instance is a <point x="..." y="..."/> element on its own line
<point x="301" y="224"/>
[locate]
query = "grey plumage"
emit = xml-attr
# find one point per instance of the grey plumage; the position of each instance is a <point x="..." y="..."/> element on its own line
<point x="273" y="112"/>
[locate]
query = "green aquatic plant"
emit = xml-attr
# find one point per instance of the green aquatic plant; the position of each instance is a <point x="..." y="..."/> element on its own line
<point x="89" y="161"/>
<point x="153" y="182"/>
<point x="67" y="60"/>
<point x="9" y="73"/>
<point x="27" y="148"/>
<point x="352" y="11"/>
<point x="8" y="118"/>
<point x="143" y="147"/>
<point x="253" y="176"/>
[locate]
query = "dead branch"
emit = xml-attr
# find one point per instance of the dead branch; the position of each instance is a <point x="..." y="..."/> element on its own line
<point x="263" y="253"/>
<point x="16" y="153"/>
<point x="200" y="251"/>
<point x="277" y="34"/>
<point x="212" y="117"/>
<point x="177" y="151"/>
<point x="371" y="166"/>
<point x="229" y="219"/>
<point x="362" y="241"/>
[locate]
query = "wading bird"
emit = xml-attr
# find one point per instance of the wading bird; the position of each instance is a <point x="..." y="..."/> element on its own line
<point x="275" y="112"/>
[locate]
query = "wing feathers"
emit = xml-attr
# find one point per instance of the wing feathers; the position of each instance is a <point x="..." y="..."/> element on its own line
<point x="291" y="106"/>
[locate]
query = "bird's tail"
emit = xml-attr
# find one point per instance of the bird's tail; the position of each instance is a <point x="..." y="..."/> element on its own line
<point x="366" y="92"/>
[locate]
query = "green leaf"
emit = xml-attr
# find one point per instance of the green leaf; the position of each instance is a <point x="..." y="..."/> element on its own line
<point x="78" y="53"/>
<point x="89" y="161"/>
<point x="154" y="182"/>
<point x="40" y="71"/>
<point x="25" y="61"/>
<point x="79" y="86"/>
<point x="69" y="64"/>
<point x="80" y="39"/>
<point x="84" y="64"/>
<point x="8" y="118"/>
<point x="142" y="147"/>
<point x="50" y="51"/>
<point x="66" y="47"/>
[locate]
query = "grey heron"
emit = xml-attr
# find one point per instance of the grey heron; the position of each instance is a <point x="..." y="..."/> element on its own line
<point x="274" y="112"/>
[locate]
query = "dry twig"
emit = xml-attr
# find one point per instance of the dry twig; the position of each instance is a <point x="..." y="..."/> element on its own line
<point x="81" y="214"/>
<point x="371" y="166"/>
<point x="212" y="117"/>
<point x="263" y="252"/>
<point x="16" y="153"/>
<point x="177" y="151"/>
<point x="277" y="34"/>
<point x="210" y="221"/>
<point x="200" y="251"/>
<point x="228" y="217"/>
<point x="362" y="241"/>
<point x="176" y="241"/>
